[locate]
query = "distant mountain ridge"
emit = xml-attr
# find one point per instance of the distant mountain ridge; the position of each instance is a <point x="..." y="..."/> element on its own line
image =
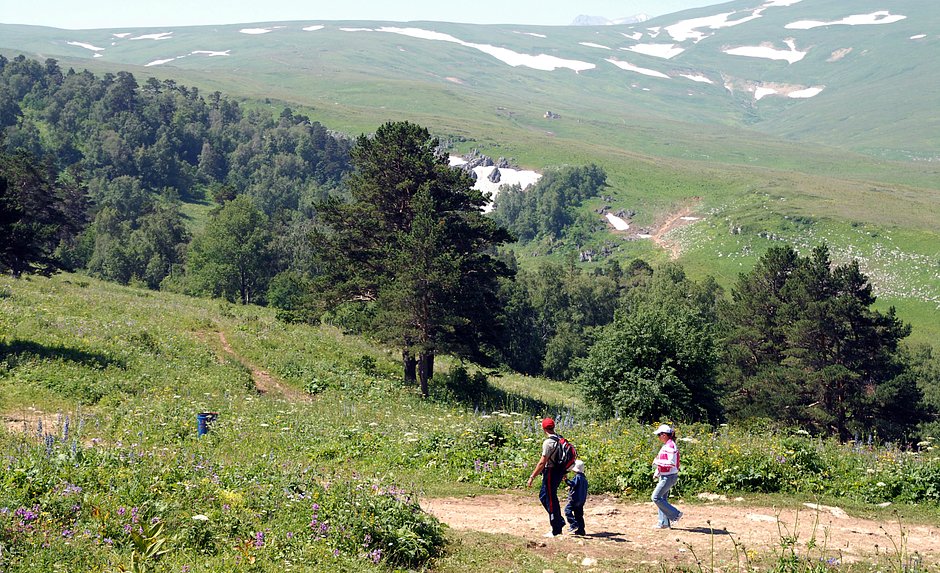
<point x="823" y="71"/>
<point x="585" y="20"/>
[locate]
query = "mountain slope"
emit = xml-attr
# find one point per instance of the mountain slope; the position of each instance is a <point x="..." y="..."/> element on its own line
<point x="814" y="70"/>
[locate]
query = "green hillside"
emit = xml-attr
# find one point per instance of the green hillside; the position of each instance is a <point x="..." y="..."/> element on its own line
<point x="794" y="170"/>
<point x="100" y="386"/>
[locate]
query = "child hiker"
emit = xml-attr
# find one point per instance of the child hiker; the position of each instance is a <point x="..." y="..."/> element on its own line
<point x="577" y="495"/>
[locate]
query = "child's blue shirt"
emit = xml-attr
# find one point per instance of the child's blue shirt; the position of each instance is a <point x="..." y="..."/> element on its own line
<point x="577" y="489"/>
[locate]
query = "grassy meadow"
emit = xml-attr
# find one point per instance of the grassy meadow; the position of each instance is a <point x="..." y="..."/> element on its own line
<point x="103" y="469"/>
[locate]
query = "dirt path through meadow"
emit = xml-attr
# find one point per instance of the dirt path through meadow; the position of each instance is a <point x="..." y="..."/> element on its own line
<point x="622" y="532"/>
<point x="265" y="383"/>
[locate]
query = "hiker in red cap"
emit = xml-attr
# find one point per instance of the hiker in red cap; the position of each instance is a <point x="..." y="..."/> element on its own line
<point x="557" y="456"/>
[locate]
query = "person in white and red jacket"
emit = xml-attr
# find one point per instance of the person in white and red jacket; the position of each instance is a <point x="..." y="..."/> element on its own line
<point x="665" y="472"/>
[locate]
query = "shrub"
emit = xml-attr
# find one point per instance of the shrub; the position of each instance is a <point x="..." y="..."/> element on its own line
<point x="462" y="385"/>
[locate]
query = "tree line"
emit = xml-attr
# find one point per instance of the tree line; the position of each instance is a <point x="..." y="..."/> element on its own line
<point x="138" y="151"/>
<point x="380" y="236"/>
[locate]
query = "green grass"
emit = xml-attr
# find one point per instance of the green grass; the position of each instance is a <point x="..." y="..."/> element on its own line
<point x="196" y="215"/>
<point x="129" y="370"/>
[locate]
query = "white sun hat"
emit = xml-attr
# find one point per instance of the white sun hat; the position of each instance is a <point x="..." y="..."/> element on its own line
<point x="663" y="429"/>
<point x="578" y="466"/>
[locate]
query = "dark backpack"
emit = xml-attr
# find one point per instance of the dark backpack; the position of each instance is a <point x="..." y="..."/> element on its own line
<point x="565" y="454"/>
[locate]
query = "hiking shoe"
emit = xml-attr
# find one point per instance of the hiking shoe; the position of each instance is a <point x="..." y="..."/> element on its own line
<point x="551" y="534"/>
<point x="580" y="532"/>
<point x="660" y="526"/>
<point x="678" y="517"/>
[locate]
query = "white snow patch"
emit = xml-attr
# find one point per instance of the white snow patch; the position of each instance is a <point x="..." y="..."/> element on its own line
<point x="532" y="34"/>
<point x="631" y="68"/>
<point x="688" y="29"/>
<point x="634" y="36"/>
<point x="807" y="93"/>
<point x="881" y="17"/>
<point x="540" y="62"/>
<point x="665" y="51"/>
<point x="918" y="36"/>
<point x="313" y="28"/>
<point x="259" y="30"/>
<point x="122" y="35"/>
<point x="357" y="29"/>
<point x="617" y="222"/>
<point x="591" y="45"/>
<point x="697" y="78"/>
<point x="644" y="236"/>
<point x="792" y="55"/>
<point x="761" y="92"/>
<point x="654" y="31"/>
<point x="86" y="46"/>
<point x="773" y="3"/>
<point x="210" y="53"/>
<point x="159" y="62"/>
<point x="158" y="36"/>
<point x="97" y="55"/>
<point x="508" y="176"/>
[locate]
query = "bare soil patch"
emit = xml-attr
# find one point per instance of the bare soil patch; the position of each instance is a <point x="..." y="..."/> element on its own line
<point x="28" y="421"/>
<point x="680" y="218"/>
<point x="619" y="532"/>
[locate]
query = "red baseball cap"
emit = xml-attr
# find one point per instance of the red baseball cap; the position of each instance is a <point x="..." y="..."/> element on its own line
<point x="548" y="424"/>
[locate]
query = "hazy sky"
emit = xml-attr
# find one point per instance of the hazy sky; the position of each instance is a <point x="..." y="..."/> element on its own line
<point x="79" y="14"/>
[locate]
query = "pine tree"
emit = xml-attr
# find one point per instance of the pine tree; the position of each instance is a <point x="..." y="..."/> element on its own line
<point x="414" y="240"/>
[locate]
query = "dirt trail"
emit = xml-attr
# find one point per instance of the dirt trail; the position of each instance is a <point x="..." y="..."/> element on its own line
<point x="623" y="531"/>
<point x="265" y="383"/>
<point x="678" y="219"/>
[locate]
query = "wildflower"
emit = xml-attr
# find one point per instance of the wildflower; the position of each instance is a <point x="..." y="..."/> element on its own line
<point x="259" y="539"/>
<point x="200" y="517"/>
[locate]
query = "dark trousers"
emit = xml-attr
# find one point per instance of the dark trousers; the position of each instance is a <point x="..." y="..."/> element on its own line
<point x="548" y="495"/>
<point x="575" y="515"/>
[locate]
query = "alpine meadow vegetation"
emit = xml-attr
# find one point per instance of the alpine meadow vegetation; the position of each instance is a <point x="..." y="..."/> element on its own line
<point x="110" y="473"/>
